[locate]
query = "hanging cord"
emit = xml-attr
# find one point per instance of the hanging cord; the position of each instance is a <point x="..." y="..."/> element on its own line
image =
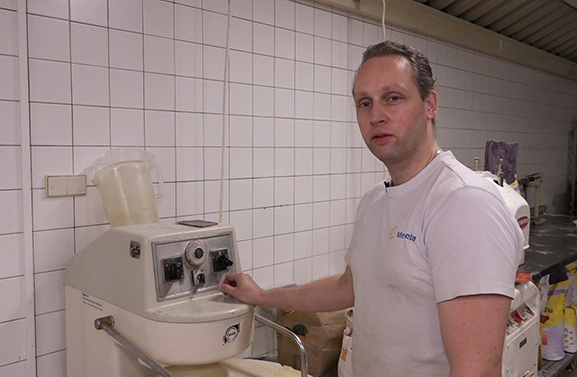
<point x="383" y="20"/>
<point x="385" y="170"/>
<point x="224" y="106"/>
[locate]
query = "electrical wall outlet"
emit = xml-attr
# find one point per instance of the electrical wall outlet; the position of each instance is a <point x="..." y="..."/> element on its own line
<point x="57" y="186"/>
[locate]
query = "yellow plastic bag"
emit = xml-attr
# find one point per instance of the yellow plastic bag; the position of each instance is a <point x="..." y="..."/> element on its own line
<point x="570" y="326"/>
<point x="553" y="337"/>
<point x="571" y="269"/>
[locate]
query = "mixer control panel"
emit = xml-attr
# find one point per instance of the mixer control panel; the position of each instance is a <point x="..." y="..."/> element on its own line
<point x="195" y="265"/>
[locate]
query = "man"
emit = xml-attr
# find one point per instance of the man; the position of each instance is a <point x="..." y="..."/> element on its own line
<point x="432" y="261"/>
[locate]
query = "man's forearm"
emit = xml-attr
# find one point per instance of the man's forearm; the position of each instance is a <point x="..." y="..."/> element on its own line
<point x="332" y="293"/>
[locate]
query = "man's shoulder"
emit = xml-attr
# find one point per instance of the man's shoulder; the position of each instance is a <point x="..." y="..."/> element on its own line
<point x="457" y="176"/>
<point x="454" y="177"/>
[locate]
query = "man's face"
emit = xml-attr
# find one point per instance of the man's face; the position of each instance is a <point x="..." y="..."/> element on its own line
<point x="391" y="114"/>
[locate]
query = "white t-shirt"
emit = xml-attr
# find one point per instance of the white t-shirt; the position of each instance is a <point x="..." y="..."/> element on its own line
<point x="445" y="233"/>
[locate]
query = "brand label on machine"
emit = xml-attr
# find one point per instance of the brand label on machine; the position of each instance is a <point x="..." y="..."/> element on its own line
<point x="523" y="222"/>
<point x="87" y="300"/>
<point x="231" y="334"/>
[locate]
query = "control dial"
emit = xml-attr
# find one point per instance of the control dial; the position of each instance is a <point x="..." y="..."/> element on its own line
<point x="196" y="253"/>
<point x="220" y="260"/>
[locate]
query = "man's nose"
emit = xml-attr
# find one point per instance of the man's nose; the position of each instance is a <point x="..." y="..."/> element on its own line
<point x="378" y="114"/>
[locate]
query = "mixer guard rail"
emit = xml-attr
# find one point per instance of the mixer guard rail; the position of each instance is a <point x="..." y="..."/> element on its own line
<point x="293" y="337"/>
<point x="107" y="324"/>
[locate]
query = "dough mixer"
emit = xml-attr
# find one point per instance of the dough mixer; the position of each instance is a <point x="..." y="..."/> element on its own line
<point x="152" y="288"/>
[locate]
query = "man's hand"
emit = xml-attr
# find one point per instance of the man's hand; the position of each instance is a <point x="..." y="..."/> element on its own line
<point x="243" y="288"/>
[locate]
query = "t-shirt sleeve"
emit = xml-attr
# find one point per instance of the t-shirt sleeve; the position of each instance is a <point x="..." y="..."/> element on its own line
<point x="473" y="245"/>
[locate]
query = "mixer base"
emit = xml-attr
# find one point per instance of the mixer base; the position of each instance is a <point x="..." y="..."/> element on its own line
<point x="235" y="368"/>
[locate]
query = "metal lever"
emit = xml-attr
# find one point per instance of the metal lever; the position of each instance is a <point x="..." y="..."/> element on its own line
<point x="107" y="324"/>
<point x="293" y="337"/>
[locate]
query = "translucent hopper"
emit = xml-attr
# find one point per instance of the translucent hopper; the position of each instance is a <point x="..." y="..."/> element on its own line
<point x="123" y="177"/>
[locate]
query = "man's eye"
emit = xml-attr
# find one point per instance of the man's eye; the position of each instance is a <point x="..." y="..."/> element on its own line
<point x="364" y="104"/>
<point x="394" y="98"/>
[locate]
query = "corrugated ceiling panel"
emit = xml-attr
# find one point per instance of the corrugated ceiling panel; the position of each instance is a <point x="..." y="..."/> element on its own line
<point x="483" y="7"/>
<point x="550" y="25"/>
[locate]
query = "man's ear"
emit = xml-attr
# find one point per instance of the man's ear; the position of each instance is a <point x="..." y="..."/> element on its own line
<point x="431" y="105"/>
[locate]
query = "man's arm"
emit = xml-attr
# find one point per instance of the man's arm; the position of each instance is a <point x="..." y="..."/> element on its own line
<point x="332" y="293"/>
<point x="473" y="330"/>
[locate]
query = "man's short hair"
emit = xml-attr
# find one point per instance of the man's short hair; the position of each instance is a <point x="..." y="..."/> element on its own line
<point x="422" y="72"/>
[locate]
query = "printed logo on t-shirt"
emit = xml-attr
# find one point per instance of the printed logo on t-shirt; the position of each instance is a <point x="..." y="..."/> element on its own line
<point x="400" y="234"/>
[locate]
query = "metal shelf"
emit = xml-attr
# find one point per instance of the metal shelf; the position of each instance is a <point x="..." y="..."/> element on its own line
<point x="553" y="245"/>
<point x="572" y="172"/>
<point x="555" y="368"/>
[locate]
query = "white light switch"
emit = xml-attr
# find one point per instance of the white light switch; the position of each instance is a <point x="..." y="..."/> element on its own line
<point x="76" y="185"/>
<point x="64" y="185"/>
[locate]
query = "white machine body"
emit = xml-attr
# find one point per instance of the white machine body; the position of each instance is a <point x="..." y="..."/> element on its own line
<point x="517" y="205"/>
<point x="159" y="282"/>
<point x="521" y="349"/>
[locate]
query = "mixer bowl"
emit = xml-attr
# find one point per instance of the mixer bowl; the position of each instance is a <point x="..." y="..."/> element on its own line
<point x="236" y="368"/>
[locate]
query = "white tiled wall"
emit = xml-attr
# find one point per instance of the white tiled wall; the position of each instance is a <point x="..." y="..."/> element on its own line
<point x="12" y="286"/>
<point x="148" y="74"/>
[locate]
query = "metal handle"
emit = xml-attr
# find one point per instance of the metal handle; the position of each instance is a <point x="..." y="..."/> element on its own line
<point x="293" y="337"/>
<point x="107" y="324"/>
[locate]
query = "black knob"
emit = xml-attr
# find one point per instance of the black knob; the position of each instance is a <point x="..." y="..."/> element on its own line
<point x="173" y="269"/>
<point x="220" y="260"/>
<point x="198" y="253"/>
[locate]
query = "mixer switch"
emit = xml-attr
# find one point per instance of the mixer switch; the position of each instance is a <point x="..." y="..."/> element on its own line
<point x="173" y="269"/>
<point x="220" y="261"/>
<point x="198" y="278"/>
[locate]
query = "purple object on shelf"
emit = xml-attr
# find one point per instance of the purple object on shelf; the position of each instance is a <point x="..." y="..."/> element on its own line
<point x="496" y="150"/>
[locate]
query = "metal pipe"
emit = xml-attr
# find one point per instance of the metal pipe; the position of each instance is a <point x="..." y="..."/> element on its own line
<point x="537" y="196"/>
<point x="501" y="173"/>
<point x="293" y="337"/>
<point x="107" y="324"/>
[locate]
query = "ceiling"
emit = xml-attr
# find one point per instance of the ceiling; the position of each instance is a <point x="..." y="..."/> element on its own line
<point x="550" y="25"/>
